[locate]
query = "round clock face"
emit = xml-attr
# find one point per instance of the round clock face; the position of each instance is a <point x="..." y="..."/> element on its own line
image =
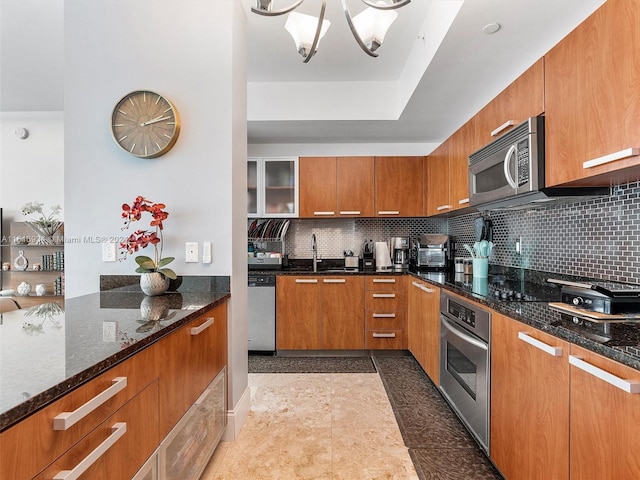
<point x="145" y="124"/>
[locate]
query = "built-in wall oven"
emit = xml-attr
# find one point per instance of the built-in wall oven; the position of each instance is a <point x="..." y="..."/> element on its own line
<point x="464" y="363"/>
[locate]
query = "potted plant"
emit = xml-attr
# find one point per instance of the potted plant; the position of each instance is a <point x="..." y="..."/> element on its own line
<point x="155" y="276"/>
<point x="45" y="226"/>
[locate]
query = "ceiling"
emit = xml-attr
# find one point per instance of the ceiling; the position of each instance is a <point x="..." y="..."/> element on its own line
<point x="435" y="69"/>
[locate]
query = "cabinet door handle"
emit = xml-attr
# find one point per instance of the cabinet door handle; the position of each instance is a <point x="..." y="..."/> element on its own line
<point x="416" y="284"/>
<point x="384" y="295"/>
<point x="117" y="431"/>
<point x="612" y="157"/>
<point x="443" y="207"/>
<point x="428" y="290"/>
<point x="504" y="126"/>
<point x="334" y="280"/>
<point x="350" y="212"/>
<point x="201" y="328"/>
<point x="384" y="335"/>
<point x="384" y="280"/>
<point x="306" y="280"/>
<point x="628" y="386"/>
<point x="384" y="315"/>
<point x="388" y="212"/>
<point x="66" y="420"/>
<point x="463" y="201"/>
<point x="553" y="351"/>
<point x="323" y="213"/>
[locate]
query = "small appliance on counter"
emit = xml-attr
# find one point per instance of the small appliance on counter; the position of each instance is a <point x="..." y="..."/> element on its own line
<point x="368" y="259"/>
<point x="434" y="253"/>
<point x="400" y="247"/>
<point x="350" y="261"/>
<point x="383" y="258"/>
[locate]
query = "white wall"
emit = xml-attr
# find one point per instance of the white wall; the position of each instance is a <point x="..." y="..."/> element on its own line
<point x="31" y="169"/>
<point x="187" y="51"/>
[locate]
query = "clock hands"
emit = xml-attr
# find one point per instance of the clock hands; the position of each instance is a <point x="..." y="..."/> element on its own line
<point x="154" y="120"/>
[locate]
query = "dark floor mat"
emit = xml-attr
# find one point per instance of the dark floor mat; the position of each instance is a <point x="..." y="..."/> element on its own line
<point x="283" y="364"/>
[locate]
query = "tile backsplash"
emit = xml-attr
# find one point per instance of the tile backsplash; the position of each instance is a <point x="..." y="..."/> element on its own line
<point x="597" y="238"/>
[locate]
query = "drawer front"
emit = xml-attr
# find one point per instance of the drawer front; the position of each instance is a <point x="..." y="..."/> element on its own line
<point x="119" y="446"/>
<point x="35" y="438"/>
<point x="384" y="283"/>
<point x="384" y="321"/>
<point x="383" y="340"/>
<point x="384" y="302"/>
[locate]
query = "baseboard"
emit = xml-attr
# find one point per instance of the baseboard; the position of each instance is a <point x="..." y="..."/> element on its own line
<point x="237" y="417"/>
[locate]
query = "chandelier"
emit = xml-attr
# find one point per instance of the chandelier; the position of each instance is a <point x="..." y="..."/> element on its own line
<point x="368" y="28"/>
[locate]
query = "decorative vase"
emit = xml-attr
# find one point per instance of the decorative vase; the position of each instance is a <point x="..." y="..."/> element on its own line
<point x="41" y="289"/>
<point x="153" y="283"/>
<point x="24" y="289"/>
<point x="45" y="233"/>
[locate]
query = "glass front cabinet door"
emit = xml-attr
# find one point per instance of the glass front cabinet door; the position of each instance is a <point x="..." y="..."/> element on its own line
<point x="272" y="187"/>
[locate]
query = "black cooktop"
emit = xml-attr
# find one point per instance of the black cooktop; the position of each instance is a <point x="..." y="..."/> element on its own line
<point x="502" y="288"/>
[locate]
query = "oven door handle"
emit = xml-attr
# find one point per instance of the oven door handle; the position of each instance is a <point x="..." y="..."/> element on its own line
<point x="462" y="336"/>
<point x="507" y="174"/>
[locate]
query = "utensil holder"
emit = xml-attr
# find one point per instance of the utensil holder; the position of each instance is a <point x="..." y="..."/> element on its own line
<point x="480" y="267"/>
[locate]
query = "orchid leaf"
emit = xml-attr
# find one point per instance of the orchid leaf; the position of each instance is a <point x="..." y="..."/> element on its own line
<point x="140" y="259"/>
<point x="167" y="272"/>
<point x="165" y="261"/>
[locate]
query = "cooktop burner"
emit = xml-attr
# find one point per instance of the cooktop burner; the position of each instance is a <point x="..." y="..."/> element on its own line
<point x="498" y="287"/>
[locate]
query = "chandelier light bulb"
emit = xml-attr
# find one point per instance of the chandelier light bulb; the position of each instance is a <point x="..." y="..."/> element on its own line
<point x="302" y="28"/>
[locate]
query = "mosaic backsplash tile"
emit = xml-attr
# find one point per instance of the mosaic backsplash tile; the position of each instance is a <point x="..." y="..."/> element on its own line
<point x="597" y="238"/>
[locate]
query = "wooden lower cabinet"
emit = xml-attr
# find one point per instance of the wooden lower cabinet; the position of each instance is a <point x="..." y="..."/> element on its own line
<point x="385" y="305"/>
<point x="124" y="441"/>
<point x="530" y="403"/>
<point x="423" y="320"/>
<point x="605" y="419"/>
<point x="320" y="313"/>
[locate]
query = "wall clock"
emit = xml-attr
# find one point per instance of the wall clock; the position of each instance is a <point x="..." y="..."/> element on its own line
<point x="145" y="124"/>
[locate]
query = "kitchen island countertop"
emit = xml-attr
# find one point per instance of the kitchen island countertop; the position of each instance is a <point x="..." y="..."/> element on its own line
<point x="50" y="349"/>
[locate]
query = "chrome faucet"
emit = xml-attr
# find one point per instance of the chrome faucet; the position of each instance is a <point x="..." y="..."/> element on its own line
<point x="314" y="249"/>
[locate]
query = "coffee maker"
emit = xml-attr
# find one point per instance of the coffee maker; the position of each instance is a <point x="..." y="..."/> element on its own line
<point x="399" y="247"/>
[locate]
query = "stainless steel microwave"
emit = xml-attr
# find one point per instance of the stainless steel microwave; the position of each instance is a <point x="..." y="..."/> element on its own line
<point x="511" y="165"/>
<point x="509" y="171"/>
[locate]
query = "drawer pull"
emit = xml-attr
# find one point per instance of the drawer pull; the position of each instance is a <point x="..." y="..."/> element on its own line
<point x="504" y="126"/>
<point x="201" y="328"/>
<point x="384" y="335"/>
<point x="384" y="295"/>
<point x="612" y="157"/>
<point x="553" y="351"/>
<point x="384" y="280"/>
<point x="334" y="280"/>
<point x="628" y="386"/>
<point x="306" y="280"/>
<point x="323" y="213"/>
<point x="463" y="201"/>
<point x="66" y="420"/>
<point x="117" y="431"/>
<point x="350" y="212"/>
<point x="443" y="207"/>
<point x="388" y="212"/>
<point x="384" y="315"/>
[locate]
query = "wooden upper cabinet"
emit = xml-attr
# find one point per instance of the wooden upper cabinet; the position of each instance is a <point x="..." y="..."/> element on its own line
<point x="317" y="179"/>
<point x="530" y="402"/>
<point x="399" y="184"/>
<point x="355" y="186"/>
<point x="603" y="445"/>
<point x="523" y="98"/>
<point x="593" y="99"/>
<point x="462" y="144"/>
<point x="436" y="185"/>
<point x="336" y="186"/>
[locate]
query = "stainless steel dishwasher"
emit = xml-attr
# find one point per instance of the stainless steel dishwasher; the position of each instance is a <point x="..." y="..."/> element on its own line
<point x="262" y="313"/>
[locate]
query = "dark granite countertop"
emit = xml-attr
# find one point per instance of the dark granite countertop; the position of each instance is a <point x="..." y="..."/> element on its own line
<point x="50" y="349"/>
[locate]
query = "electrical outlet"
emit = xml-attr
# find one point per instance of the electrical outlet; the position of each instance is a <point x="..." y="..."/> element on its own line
<point x="109" y="331"/>
<point x="206" y="252"/>
<point x="191" y="253"/>
<point x="109" y="252"/>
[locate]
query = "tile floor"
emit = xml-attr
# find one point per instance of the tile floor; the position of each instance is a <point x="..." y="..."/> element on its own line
<point x="331" y="426"/>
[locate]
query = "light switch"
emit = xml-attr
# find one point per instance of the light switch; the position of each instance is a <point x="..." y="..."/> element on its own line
<point x="206" y="252"/>
<point x="109" y="252"/>
<point x="191" y="253"/>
